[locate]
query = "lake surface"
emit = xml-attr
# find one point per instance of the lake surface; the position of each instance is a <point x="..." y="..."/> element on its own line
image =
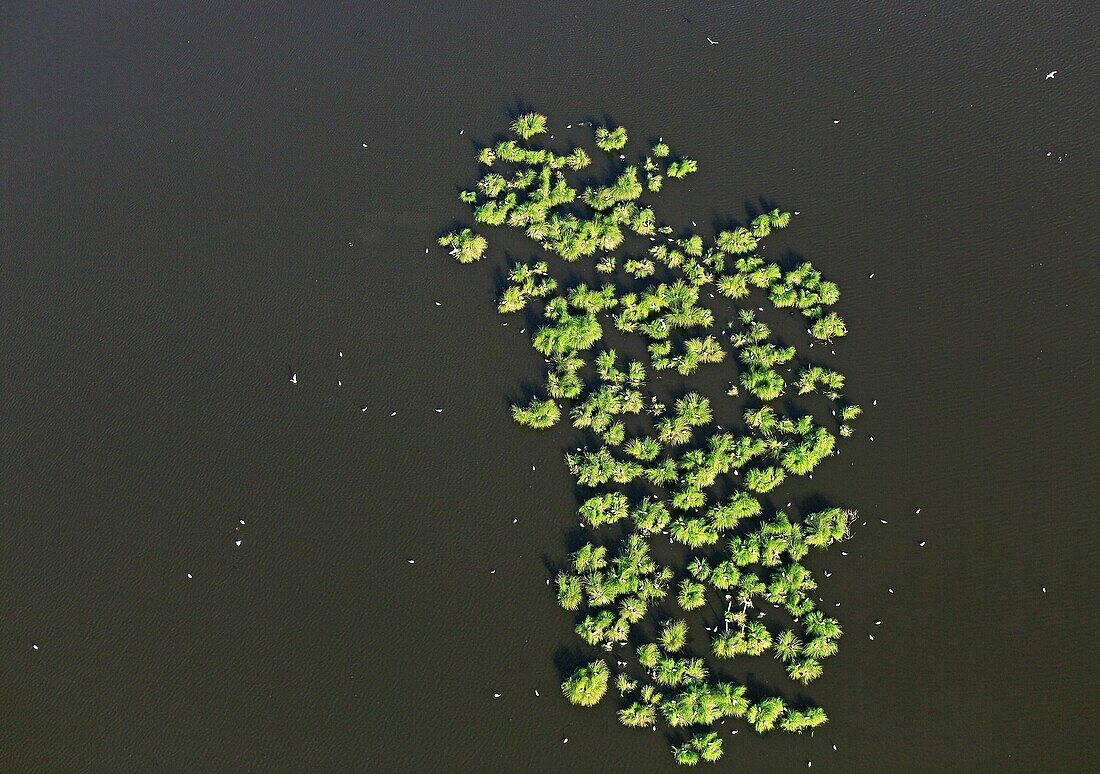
<point x="197" y="202"/>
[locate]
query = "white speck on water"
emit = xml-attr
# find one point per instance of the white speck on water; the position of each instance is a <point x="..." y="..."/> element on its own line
<point x="1044" y="589"/>
<point x="339" y="383"/>
<point x="496" y="695"/>
<point x="515" y="521"/>
<point x="363" y="409"/>
<point x="874" y="402"/>
<point x="425" y="251"/>
<point x="189" y="575"/>
<point x="393" y="414"/>
<point x="241" y="521"/>
<point x="834" y="746"/>
<point x="843" y="553"/>
<point x="492" y="572"/>
<point x="438" y="304"/>
<point x="878" y="623"/>
<point x="536" y="691"/>
<point x="836" y="121"/>
<point x="411" y="561"/>
<point x="918" y="510"/>
<point x="565" y="740"/>
<point x="35" y="646"/>
<point x="364" y="145"/>
<point x="890" y="590"/>
<point x="871" y="275"/>
<point x="871" y="636"/>
<point x="461" y="131"/>
<point x="439" y="411"/>
<point x="340" y="353"/>
<point x="922" y="543"/>
<point x="884" y="521"/>
<point x="532" y="467"/>
<point x="238" y="542"/>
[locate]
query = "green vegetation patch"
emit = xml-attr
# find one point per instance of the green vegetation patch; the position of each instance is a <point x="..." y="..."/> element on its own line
<point x="658" y="632"/>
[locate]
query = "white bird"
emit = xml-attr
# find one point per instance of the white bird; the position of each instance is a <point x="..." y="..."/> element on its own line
<point x="294" y="378"/>
<point x="712" y="42"/>
<point x="411" y="561"/>
<point x="1051" y="75"/>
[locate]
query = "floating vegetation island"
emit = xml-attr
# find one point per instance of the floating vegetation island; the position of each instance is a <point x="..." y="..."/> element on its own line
<point x="666" y="469"/>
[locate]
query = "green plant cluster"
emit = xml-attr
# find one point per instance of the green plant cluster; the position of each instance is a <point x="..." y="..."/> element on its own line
<point x="654" y="467"/>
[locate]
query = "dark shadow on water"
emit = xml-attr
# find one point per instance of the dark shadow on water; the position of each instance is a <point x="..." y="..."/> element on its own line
<point x="567" y="660"/>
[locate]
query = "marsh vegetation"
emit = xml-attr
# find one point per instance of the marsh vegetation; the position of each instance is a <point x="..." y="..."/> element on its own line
<point x="731" y="584"/>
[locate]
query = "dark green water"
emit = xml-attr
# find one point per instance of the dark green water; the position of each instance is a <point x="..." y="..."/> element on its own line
<point x="187" y="213"/>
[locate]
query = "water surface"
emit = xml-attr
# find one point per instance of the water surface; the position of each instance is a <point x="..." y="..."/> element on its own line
<point x="189" y="213"/>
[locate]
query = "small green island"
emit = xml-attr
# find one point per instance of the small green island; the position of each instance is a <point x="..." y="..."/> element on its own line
<point x="664" y="469"/>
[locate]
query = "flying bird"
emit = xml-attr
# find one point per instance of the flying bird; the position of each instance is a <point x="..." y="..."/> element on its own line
<point x="712" y="42"/>
<point x="1051" y="74"/>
